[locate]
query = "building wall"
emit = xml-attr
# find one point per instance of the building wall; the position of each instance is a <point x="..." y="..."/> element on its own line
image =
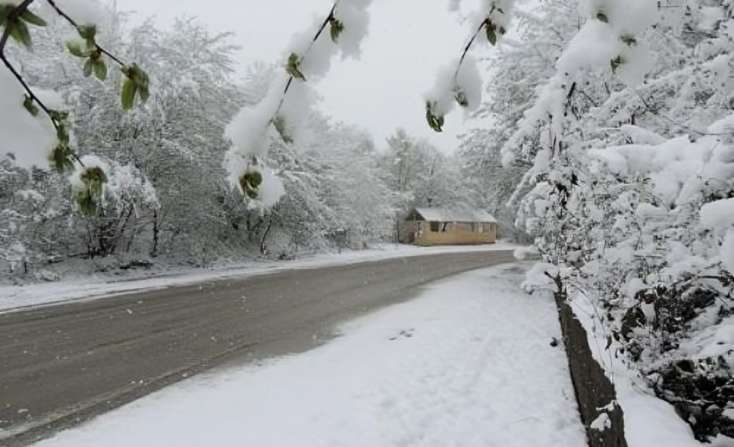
<point x="454" y="235"/>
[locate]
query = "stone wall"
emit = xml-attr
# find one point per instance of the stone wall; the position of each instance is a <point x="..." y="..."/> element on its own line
<point x="595" y="393"/>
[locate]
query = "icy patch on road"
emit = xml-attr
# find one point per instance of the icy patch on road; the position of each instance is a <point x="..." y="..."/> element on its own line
<point x="466" y="364"/>
<point x="13" y="298"/>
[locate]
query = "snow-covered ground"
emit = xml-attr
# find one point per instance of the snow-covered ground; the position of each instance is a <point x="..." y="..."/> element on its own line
<point x="13" y="298"/>
<point x="468" y="363"/>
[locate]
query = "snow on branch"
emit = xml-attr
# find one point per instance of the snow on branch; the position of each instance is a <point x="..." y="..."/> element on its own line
<point x="462" y="85"/>
<point x="289" y="99"/>
<point x="38" y="143"/>
<point x="611" y="40"/>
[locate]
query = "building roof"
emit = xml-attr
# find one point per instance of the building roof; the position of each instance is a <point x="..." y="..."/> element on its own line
<point x="448" y="215"/>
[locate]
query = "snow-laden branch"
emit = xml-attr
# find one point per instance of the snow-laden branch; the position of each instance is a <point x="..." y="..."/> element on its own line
<point x="460" y="83"/>
<point x="287" y="103"/>
<point x="14" y="19"/>
<point x="611" y="40"/>
<point x="30" y="135"/>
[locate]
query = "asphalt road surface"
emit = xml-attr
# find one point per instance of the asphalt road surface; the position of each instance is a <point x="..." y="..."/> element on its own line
<point x="64" y="364"/>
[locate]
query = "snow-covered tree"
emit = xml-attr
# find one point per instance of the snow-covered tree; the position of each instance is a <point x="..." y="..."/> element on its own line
<point x="355" y="189"/>
<point x="521" y="63"/>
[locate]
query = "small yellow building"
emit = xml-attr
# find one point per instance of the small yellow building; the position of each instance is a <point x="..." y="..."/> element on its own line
<point x="439" y="226"/>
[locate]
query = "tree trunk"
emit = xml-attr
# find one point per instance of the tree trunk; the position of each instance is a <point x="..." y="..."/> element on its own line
<point x="263" y="247"/>
<point x="156" y="235"/>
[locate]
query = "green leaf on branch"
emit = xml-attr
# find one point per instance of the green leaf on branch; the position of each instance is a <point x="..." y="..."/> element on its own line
<point x="141" y="78"/>
<point x="629" y="40"/>
<point x="129" y="90"/>
<point x="87" y="204"/>
<point x="435" y="121"/>
<point x="90" y="197"/>
<point x="5" y="11"/>
<point x="19" y="32"/>
<point x="75" y="48"/>
<point x="250" y="182"/>
<point x="616" y="63"/>
<point x="88" y="67"/>
<point x="491" y="30"/>
<point x="89" y="34"/>
<point x="336" y="28"/>
<point x="60" y="119"/>
<point x="293" y="68"/>
<point x="100" y="69"/>
<point x="280" y="125"/>
<point x="136" y="83"/>
<point x="30" y="106"/>
<point x="62" y="158"/>
<point x="461" y="98"/>
<point x="17" y="25"/>
<point x="94" y="178"/>
<point x="33" y="19"/>
<point x="95" y="61"/>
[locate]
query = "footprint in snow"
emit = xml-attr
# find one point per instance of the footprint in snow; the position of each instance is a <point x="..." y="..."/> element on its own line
<point x="406" y="333"/>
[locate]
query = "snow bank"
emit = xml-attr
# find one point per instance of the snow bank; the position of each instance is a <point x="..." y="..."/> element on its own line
<point x="648" y="420"/>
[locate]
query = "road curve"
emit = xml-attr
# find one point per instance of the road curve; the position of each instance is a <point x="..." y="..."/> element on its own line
<point x="63" y="364"/>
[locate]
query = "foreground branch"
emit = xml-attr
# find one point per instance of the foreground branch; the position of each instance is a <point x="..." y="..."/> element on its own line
<point x="31" y="97"/>
<point x="291" y="78"/>
<point x="12" y="17"/>
<point x="467" y="48"/>
<point x="79" y="29"/>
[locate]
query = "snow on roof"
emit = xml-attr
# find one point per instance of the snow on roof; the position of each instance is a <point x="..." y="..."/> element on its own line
<point x="448" y="215"/>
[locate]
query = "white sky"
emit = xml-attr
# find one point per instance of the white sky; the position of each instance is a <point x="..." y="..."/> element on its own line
<point x="383" y="90"/>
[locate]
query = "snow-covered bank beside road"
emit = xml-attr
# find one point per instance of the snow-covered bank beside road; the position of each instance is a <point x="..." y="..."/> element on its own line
<point x="466" y="364"/>
<point x="648" y="420"/>
<point x="22" y="297"/>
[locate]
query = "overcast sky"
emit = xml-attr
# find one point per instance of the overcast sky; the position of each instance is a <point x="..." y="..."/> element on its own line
<point x="383" y="90"/>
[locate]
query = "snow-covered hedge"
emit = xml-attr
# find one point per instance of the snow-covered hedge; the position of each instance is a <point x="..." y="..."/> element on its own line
<point x="631" y="148"/>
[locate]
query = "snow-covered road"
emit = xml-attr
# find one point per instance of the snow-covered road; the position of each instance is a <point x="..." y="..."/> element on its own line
<point x="466" y="364"/>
